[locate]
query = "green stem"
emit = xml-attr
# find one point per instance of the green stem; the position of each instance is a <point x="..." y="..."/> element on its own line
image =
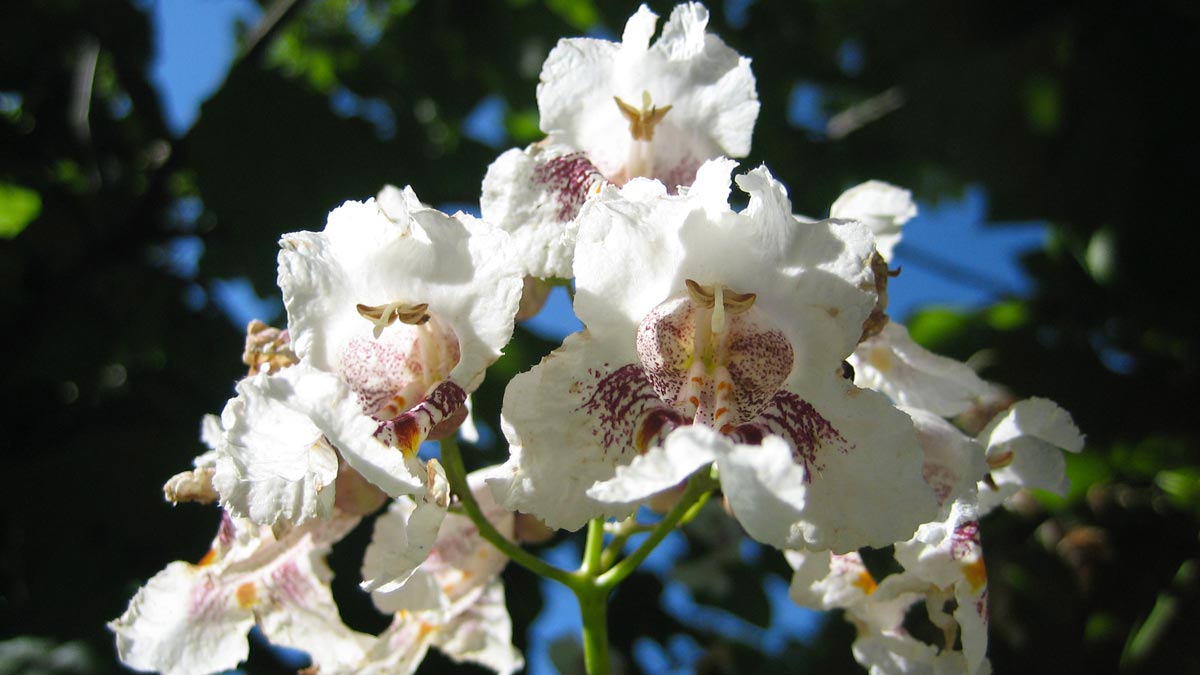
<point x="697" y="492"/>
<point x="593" y="608"/>
<point x="621" y="535"/>
<point x="457" y="475"/>
<point x="593" y="549"/>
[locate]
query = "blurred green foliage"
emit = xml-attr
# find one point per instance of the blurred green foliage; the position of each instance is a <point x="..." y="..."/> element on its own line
<point x="1072" y="112"/>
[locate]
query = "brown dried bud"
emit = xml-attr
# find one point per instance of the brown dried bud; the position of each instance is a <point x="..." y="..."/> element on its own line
<point x="878" y="317"/>
<point x="267" y="348"/>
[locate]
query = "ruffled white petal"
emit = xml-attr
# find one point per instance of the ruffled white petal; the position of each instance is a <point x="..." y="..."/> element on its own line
<point x="825" y="581"/>
<point x="399" y="649"/>
<point x="863" y="481"/>
<point x="298" y="611"/>
<point x="193" y="619"/>
<point x="661" y="467"/>
<point x="482" y="634"/>
<point x="558" y="449"/>
<point x="910" y="375"/>
<point x="954" y="462"/>
<point x="274" y="463"/>
<point x="181" y="623"/>
<point x="880" y="206"/>
<point x="404" y="535"/>
<point x="1038" y="418"/>
<point x="1024" y="442"/>
<point x="534" y="194"/>
<point x="454" y="569"/>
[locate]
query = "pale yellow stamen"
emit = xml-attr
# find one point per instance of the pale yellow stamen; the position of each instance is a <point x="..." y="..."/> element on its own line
<point x="642" y="121"/>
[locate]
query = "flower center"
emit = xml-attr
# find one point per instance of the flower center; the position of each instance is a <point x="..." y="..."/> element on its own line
<point x="392" y="371"/>
<point x="712" y="356"/>
<point x="642" y="122"/>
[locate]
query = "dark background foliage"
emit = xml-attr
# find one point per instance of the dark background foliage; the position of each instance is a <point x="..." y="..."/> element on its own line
<point x="1077" y="113"/>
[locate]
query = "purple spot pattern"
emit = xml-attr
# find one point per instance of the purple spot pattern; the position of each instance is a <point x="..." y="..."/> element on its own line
<point x="941" y="478"/>
<point x="619" y="403"/>
<point x="664" y="344"/>
<point x="377" y="371"/>
<point x="794" y="419"/>
<point x="682" y="173"/>
<point x="760" y="359"/>
<point x="289" y="585"/>
<point x="568" y="179"/>
<point x="964" y="540"/>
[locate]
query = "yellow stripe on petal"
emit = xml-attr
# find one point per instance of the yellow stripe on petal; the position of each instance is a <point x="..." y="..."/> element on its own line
<point x="975" y="573"/>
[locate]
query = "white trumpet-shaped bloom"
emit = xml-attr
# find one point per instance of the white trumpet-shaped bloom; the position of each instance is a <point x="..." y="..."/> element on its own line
<point x="441" y="579"/>
<point x="891" y="363"/>
<point x="276" y="460"/>
<point x="696" y="314"/>
<point x="408" y="306"/>
<point x="193" y="619"/>
<point x="1024" y="446"/>
<point x="614" y="111"/>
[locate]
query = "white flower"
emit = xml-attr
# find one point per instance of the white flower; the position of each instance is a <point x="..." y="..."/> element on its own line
<point x="891" y="363"/>
<point x="277" y="460"/>
<point x="659" y="111"/>
<point x="407" y="305"/>
<point x="882" y="207"/>
<point x="193" y="619"/>
<point x="441" y="579"/>
<point x="696" y="314"/>
<point x="616" y="111"/>
<point x="479" y="631"/>
<point x="943" y="562"/>
<point x="954" y="462"/>
<point x="421" y="558"/>
<point x="1023" y="446"/>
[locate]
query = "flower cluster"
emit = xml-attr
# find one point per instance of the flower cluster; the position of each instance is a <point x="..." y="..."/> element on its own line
<point x="747" y="346"/>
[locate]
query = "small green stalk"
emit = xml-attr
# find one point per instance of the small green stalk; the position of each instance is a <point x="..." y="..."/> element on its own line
<point x="457" y="476"/>
<point x="597" y="575"/>
<point x="697" y="492"/>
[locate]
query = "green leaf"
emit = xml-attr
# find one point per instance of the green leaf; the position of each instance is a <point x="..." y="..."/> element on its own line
<point x="19" y="206"/>
<point x="1008" y="315"/>
<point x="581" y="14"/>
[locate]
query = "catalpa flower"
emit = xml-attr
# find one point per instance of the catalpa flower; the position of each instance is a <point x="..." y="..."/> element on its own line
<point x="891" y="363"/>
<point x="408" y="306"/>
<point x="441" y="579"/>
<point x="616" y="111"/>
<point x="943" y="563"/>
<point x="697" y="315"/>
<point x="1023" y="450"/>
<point x="882" y="207"/>
<point x="278" y="457"/>
<point x="943" y="567"/>
<point x="478" y="630"/>
<point x="193" y="619"/>
<point x="888" y="360"/>
<point x="421" y="558"/>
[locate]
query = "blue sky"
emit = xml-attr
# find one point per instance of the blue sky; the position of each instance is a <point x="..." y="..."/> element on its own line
<point x="196" y="43"/>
